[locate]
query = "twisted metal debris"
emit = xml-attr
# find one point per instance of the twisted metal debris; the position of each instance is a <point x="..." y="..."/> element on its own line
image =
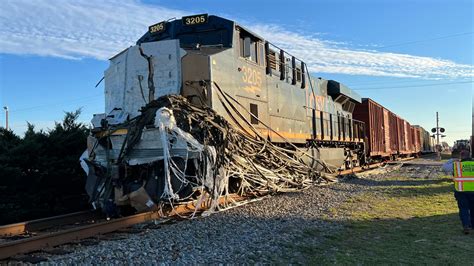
<point x="230" y="159"/>
<point x="227" y="156"/>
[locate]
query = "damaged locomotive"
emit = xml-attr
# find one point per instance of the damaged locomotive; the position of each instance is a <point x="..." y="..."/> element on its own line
<point x="138" y="156"/>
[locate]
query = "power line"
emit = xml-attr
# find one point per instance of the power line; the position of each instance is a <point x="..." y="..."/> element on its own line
<point x="463" y="132"/>
<point x="414" y="86"/>
<point x="426" y="40"/>
<point x="356" y="84"/>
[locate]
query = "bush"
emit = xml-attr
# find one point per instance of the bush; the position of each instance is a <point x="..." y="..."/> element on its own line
<point x="40" y="173"/>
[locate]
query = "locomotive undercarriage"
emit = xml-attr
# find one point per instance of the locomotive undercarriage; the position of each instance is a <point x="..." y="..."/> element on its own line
<point x="349" y="154"/>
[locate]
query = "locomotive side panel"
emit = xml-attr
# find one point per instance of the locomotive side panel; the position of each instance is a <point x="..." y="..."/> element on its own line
<point x="287" y="112"/>
<point x="287" y="99"/>
<point x="243" y="80"/>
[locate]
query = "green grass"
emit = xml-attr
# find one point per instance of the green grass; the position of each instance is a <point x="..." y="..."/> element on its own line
<point x="402" y="221"/>
<point x="447" y="156"/>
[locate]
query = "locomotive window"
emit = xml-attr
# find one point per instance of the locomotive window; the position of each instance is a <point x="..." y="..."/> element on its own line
<point x="248" y="47"/>
<point x="298" y="74"/>
<point x="253" y="51"/>
<point x="254" y="112"/>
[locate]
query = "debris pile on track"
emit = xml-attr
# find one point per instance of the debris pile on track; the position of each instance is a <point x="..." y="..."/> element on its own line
<point x="226" y="153"/>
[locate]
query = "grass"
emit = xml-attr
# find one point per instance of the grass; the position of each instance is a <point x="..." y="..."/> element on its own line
<point x="401" y="221"/>
<point x="447" y="156"/>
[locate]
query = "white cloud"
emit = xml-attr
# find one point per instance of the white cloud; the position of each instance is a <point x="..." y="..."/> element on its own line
<point x="75" y="29"/>
<point x="100" y="29"/>
<point x="330" y="57"/>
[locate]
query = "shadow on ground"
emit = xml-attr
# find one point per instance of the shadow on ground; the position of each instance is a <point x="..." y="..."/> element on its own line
<point x="435" y="239"/>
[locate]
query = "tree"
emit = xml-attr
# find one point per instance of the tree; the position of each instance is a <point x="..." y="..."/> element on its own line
<point x="40" y="174"/>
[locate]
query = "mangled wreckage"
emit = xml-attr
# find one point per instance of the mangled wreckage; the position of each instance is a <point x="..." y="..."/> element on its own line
<point x="201" y="107"/>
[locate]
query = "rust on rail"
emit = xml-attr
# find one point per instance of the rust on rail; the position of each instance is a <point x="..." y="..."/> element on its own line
<point x="44" y="223"/>
<point x="52" y="239"/>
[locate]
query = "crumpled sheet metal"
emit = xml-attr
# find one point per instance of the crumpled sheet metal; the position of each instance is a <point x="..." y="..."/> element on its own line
<point x="228" y="159"/>
<point x="227" y="154"/>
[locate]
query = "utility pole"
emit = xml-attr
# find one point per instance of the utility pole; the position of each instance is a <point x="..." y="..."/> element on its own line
<point x="437" y="127"/>
<point x="472" y="132"/>
<point x="438" y="132"/>
<point x="6" y="116"/>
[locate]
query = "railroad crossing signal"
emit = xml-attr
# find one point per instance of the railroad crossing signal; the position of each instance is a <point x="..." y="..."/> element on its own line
<point x="437" y="133"/>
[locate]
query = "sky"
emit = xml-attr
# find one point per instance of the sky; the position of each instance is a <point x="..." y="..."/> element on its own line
<point x="413" y="57"/>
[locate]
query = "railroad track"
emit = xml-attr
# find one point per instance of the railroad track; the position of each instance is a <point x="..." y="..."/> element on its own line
<point x="97" y="225"/>
<point x="22" y="228"/>
<point x="45" y="240"/>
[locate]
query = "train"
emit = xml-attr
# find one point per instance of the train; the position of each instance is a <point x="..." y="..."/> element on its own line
<point x="388" y="135"/>
<point x="200" y="57"/>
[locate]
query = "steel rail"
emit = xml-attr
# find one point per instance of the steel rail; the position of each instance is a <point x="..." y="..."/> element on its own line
<point x="52" y="239"/>
<point x="44" y="223"/>
<point x="358" y="169"/>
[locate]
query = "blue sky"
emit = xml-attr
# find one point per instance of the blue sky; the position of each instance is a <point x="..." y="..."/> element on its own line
<point x="414" y="57"/>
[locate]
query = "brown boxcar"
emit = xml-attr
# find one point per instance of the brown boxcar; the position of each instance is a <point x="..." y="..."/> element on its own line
<point x="394" y="136"/>
<point x="388" y="135"/>
<point x="401" y="132"/>
<point x="409" y="149"/>
<point x="416" y="138"/>
<point x="425" y="140"/>
<point x="382" y="140"/>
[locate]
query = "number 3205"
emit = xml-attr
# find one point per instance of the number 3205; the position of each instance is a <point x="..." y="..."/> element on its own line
<point x="195" y="20"/>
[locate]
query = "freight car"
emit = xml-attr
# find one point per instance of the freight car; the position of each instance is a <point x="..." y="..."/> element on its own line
<point x="195" y="57"/>
<point x="426" y="141"/>
<point x="388" y="135"/>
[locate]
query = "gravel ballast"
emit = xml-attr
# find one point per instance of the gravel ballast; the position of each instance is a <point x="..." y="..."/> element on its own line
<point x="262" y="231"/>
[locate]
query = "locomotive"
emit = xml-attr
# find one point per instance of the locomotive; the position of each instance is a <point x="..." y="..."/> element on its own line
<point x="196" y="57"/>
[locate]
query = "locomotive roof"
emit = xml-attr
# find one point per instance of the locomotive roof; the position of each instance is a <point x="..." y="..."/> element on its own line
<point x="201" y="29"/>
<point x="178" y="26"/>
<point x="178" y="29"/>
<point x="336" y="88"/>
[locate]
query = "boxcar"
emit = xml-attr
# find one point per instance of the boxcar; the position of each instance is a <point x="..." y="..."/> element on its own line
<point x="388" y="135"/>
<point x="372" y="114"/>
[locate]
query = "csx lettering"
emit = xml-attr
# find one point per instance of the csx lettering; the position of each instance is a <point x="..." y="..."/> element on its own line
<point x="320" y="103"/>
<point x="314" y="101"/>
<point x="251" y="76"/>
